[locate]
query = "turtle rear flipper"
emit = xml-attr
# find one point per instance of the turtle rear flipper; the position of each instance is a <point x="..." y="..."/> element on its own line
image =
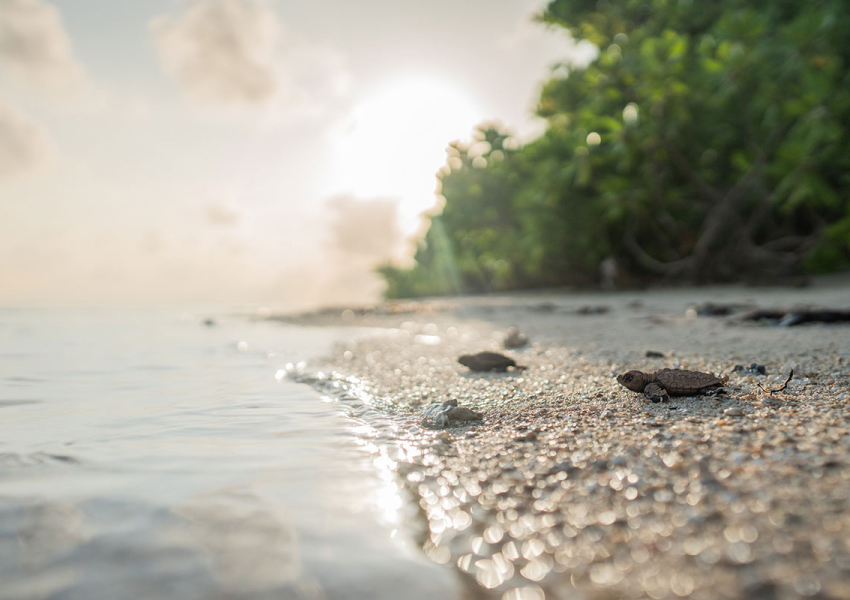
<point x="656" y="393"/>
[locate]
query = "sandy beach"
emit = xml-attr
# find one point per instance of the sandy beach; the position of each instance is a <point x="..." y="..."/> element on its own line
<point x="574" y="487"/>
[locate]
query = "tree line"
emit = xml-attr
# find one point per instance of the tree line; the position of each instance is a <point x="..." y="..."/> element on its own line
<point x="707" y="142"/>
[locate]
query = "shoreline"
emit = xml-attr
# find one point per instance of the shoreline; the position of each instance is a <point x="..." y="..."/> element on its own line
<point x="574" y="487"/>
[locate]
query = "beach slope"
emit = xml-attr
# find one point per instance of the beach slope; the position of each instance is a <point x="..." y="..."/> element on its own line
<point x="572" y="486"/>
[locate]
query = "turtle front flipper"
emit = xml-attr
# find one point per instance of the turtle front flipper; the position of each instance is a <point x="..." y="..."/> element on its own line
<point x="655" y="393"/>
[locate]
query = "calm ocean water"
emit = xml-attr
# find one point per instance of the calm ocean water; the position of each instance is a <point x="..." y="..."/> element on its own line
<point x="145" y="455"/>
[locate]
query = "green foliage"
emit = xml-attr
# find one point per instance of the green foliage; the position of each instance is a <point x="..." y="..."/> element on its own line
<point x="707" y="142"/>
<point x="470" y="246"/>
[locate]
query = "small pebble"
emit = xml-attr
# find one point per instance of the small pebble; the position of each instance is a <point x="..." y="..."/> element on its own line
<point x="753" y="369"/>
<point x="733" y="411"/>
<point x="514" y="338"/>
<point x="531" y="436"/>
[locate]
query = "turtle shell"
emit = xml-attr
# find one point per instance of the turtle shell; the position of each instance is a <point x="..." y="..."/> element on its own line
<point x="679" y="382"/>
<point x="487" y="361"/>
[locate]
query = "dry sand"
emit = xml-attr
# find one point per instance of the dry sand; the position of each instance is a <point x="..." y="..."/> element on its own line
<point x="574" y="487"/>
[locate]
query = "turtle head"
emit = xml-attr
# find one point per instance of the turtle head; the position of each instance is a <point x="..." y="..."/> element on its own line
<point x="466" y="360"/>
<point x="633" y="380"/>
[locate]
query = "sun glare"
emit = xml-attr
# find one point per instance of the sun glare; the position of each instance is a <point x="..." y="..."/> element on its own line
<point x="395" y="141"/>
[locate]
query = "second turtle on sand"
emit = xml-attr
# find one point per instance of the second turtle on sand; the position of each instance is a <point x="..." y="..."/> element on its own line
<point x="488" y="361"/>
<point x="448" y="414"/>
<point x="661" y="384"/>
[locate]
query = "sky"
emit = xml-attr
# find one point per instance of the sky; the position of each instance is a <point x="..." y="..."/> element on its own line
<point x="250" y="152"/>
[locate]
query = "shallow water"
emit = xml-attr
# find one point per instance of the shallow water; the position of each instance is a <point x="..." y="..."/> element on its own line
<point x="146" y="455"/>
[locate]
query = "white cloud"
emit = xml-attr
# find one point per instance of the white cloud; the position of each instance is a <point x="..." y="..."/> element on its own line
<point x="221" y="216"/>
<point x="364" y="234"/>
<point x="236" y="53"/>
<point x="367" y="228"/>
<point x="221" y="50"/>
<point x="35" y="48"/>
<point x="24" y="143"/>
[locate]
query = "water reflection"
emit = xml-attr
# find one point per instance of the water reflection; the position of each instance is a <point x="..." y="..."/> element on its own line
<point x="168" y="460"/>
<point x="247" y="546"/>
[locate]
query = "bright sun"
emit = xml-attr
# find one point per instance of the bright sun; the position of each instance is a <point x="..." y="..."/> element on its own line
<point x="395" y="142"/>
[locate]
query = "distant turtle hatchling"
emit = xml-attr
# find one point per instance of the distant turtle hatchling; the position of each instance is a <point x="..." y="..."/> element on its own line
<point x="488" y="361"/>
<point x="661" y="384"/>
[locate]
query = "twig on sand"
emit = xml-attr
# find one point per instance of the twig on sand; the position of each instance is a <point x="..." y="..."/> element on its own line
<point x="779" y="389"/>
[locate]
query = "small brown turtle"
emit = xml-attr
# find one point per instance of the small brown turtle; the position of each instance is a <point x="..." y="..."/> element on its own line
<point x="661" y="384"/>
<point x="488" y="361"/>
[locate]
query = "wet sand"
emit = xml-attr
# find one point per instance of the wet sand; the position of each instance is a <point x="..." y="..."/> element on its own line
<point x="574" y="487"/>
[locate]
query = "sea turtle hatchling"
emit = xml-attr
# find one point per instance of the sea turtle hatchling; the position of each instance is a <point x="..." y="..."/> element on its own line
<point x="448" y="414"/>
<point x="661" y="384"/>
<point x="488" y="361"/>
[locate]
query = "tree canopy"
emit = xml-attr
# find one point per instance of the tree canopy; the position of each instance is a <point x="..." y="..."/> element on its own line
<point x="706" y="142"/>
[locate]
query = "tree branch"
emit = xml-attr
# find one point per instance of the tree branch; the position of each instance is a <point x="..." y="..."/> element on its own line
<point x="667" y="269"/>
